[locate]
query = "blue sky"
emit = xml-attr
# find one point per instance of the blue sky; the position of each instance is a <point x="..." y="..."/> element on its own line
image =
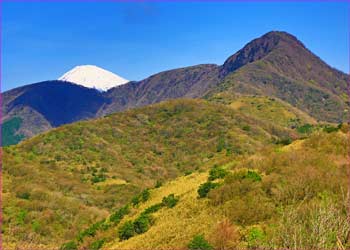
<point x="41" y="41"/>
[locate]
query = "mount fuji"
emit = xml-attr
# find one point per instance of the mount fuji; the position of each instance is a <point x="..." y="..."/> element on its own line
<point x="91" y="76"/>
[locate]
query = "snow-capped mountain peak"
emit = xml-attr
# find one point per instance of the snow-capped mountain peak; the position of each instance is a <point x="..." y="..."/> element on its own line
<point x="91" y="76"/>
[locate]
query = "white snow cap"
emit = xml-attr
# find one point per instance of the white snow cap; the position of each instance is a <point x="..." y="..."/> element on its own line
<point x="91" y="76"/>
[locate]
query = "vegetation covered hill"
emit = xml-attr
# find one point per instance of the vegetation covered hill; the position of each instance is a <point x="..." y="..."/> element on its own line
<point x="69" y="187"/>
<point x="267" y="109"/>
<point x="286" y="197"/>
<point x="85" y="170"/>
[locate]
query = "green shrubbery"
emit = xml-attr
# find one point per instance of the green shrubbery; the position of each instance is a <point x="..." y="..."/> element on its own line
<point x="126" y="230"/>
<point x="36" y="226"/>
<point x="91" y="231"/>
<point x="283" y="141"/>
<point x="97" y="174"/>
<point x="242" y="174"/>
<point x="252" y="175"/>
<point x="71" y="245"/>
<point x="135" y="200"/>
<point x="142" y="197"/>
<point x="96" y="245"/>
<point x="145" y="195"/>
<point x="142" y="223"/>
<point x="130" y="228"/>
<point x="98" y="178"/>
<point x="221" y="144"/>
<point x="256" y="237"/>
<point x="204" y="188"/>
<point x="305" y="129"/>
<point x="154" y="208"/>
<point x="246" y="128"/>
<point x="21" y="217"/>
<point x="170" y="201"/>
<point x="24" y="195"/>
<point x="114" y="218"/>
<point x="117" y="216"/>
<point x="217" y="173"/>
<point x="330" y="129"/>
<point x="158" y="184"/>
<point x="199" y="243"/>
<point x="188" y="172"/>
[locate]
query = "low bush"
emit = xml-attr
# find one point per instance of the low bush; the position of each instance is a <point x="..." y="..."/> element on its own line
<point x="199" y="243"/>
<point x="252" y="175"/>
<point x="98" y="178"/>
<point x="188" y="172"/>
<point x="154" y="208"/>
<point x="126" y="231"/>
<point x="204" y="188"/>
<point x="305" y="129"/>
<point x="145" y="195"/>
<point x="284" y="141"/>
<point x="330" y="129"/>
<point x="91" y="231"/>
<point x="119" y="214"/>
<point x="158" y="184"/>
<point x="96" y="245"/>
<point x="221" y="144"/>
<point x="217" y="173"/>
<point x="135" y="200"/>
<point x="255" y="237"/>
<point x="142" y="197"/>
<point x="142" y="223"/>
<point x="170" y="201"/>
<point x="71" y="245"/>
<point x="24" y="195"/>
<point x="246" y="128"/>
<point x="242" y="174"/>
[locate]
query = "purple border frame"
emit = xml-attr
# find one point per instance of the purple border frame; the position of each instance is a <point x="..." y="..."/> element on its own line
<point x="1" y="215"/>
<point x="184" y="1"/>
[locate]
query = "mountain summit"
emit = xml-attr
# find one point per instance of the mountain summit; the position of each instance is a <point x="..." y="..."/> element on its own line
<point x="259" y="48"/>
<point x="91" y="76"/>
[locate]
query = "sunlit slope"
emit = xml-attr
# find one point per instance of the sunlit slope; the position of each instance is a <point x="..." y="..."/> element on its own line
<point x="62" y="180"/>
<point x="174" y="227"/>
<point x="271" y="110"/>
<point x="292" y="196"/>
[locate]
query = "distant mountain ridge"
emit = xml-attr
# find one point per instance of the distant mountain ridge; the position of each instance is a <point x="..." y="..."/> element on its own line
<point x="275" y="65"/>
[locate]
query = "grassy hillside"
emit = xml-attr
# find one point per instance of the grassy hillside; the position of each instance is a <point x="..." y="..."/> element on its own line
<point x="85" y="170"/>
<point x="267" y="109"/>
<point x="294" y="196"/>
